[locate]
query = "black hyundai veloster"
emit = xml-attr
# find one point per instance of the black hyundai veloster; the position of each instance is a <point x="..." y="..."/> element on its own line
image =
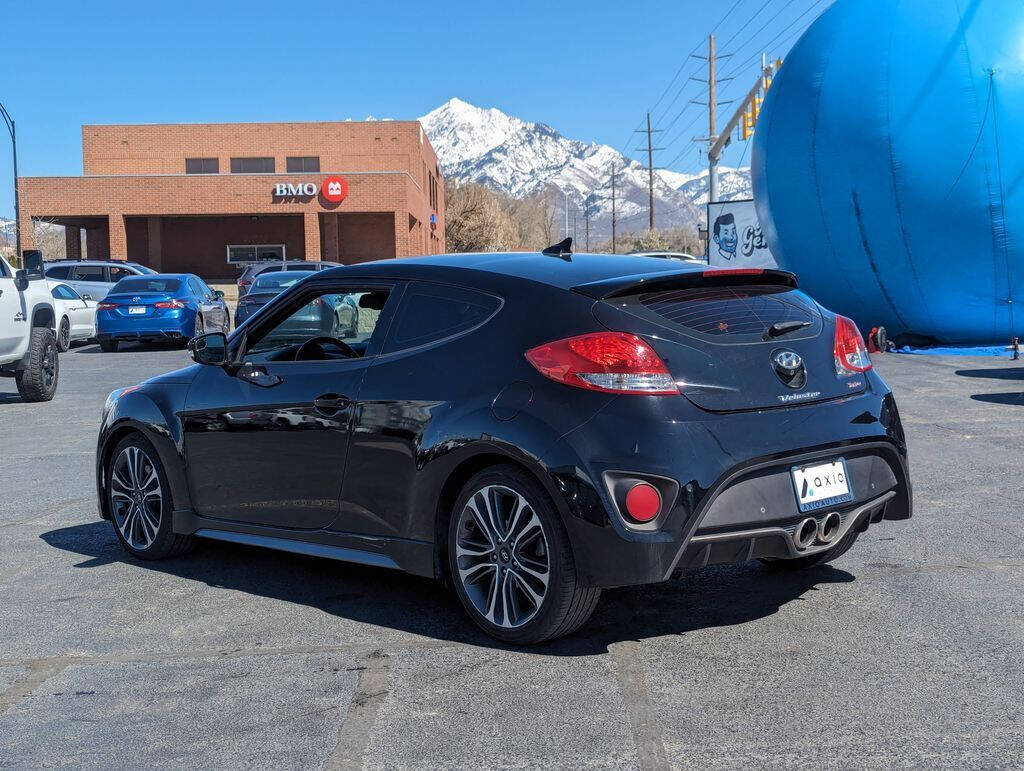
<point x="529" y="427"/>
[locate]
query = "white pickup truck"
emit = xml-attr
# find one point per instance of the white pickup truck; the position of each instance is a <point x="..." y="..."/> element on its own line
<point x="28" y="344"/>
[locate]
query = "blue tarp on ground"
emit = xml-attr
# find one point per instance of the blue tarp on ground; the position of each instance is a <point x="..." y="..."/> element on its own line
<point x="954" y="350"/>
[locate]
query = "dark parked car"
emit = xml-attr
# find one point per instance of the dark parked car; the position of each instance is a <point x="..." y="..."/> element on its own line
<point x="163" y="306"/>
<point x="259" y="268"/>
<point x="656" y="418"/>
<point x="344" y="317"/>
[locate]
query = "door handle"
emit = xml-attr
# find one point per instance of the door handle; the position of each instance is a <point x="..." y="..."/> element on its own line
<point x="330" y="404"/>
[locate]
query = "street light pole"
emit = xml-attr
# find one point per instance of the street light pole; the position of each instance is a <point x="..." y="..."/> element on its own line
<point x="14" y="150"/>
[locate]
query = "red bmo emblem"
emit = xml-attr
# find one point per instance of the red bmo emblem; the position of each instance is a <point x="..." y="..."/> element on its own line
<point x="334" y="189"/>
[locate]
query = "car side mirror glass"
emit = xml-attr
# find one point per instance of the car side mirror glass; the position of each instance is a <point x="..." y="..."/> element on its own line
<point x="218" y="294"/>
<point x="87" y="297"/>
<point x="210" y="348"/>
<point x="32" y="259"/>
<point x="21" y="280"/>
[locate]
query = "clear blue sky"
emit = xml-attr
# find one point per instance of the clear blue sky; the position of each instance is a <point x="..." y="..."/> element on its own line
<point x="590" y="69"/>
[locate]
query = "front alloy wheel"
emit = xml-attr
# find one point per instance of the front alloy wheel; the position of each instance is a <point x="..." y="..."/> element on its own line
<point x="139" y="501"/>
<point x="136" y="497"/>
<point x="511" y="562"/>
<point x="502" y="556"/>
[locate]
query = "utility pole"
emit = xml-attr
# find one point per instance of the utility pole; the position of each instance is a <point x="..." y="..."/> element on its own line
<point x="575" y="238"/>
<point x="712" y="136"/>
<point x="650" y="172"/>
<point x="613" y="207"/>
<point x="751" y="101"/>
<point x="17" y="212"/>
<point x="566" y="194"/>
<point x="586" y="224"/>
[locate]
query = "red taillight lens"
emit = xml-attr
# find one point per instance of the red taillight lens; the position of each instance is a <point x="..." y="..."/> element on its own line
<point x="106" y="306"/>
<point x="711" y="273"/>
<point x="169" y="304"/>
<point x="613" y="362"/>
<point x="643" y="502"/>
<point x="245" y="283"/>
<point x="850" y="352"/>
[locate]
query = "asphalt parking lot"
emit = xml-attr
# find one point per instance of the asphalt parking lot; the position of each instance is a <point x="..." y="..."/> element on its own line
<point x="905" y="652"/>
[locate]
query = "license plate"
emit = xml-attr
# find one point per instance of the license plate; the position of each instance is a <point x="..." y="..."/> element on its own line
<point x="821" y="485"/>
<point x="136" y="310"/>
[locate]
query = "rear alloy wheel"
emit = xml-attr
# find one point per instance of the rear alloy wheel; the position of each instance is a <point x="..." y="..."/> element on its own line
<point x="140" y="502"/>
<point x="200" y="328"/>
<point x="64" y="335"/>
<point x="511" y="562"/>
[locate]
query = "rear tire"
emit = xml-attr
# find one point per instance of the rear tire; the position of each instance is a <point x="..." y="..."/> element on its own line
<point x="200" y="327"/>
<point x="108" y="346"/>
<point x="139" y="501"/>
<point x="38" y="381"/>
<point x="511" y="562"/>
<point x="64" y="335"/>
<point x="814" y="560"/>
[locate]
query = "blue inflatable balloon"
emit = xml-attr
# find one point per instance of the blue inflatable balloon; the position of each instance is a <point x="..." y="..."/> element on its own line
<point x="888" y="166"/>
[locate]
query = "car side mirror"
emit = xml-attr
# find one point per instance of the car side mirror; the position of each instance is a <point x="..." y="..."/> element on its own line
<point x="210" y="349"/>
<point x="21" y="280"/>
<point x="87" y="297"/>
<point x="218" y="294"/>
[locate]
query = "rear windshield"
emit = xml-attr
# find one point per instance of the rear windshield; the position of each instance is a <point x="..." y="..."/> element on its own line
<point x="142" y="269"/>
<point x="272" y="280"/>
<point x="734" y="312"/>
<point x="138" y="284"/>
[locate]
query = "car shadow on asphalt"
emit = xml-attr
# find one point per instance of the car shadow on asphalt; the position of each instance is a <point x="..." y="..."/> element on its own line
<point x="129" y="348"/>
<point x="714" y="597"/>
<point x="994" y="373"/>
<point x="1015" y="398"/>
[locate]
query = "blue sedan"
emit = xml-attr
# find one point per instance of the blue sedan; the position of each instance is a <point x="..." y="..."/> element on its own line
<point x="165" y="306"/>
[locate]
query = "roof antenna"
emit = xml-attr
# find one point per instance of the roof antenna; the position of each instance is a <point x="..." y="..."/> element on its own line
<point x="563" y="250"/>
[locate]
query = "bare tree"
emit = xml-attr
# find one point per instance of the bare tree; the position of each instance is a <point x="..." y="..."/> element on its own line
<point x="476" y="221"/>
<point x="49" y="239"/>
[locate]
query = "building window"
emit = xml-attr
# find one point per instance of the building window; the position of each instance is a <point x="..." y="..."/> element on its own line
<point x="202" y="166"/>
<point x="303" y="163"/>
<point x="252" y="165"/>
<point x="238" y="254"/>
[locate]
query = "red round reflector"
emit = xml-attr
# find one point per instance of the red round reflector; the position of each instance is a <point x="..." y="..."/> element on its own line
<point x="643" y="502"/>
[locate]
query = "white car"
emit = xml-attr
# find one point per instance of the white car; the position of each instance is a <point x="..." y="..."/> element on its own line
<point x="28" y="346"/>
<point x="76" y="316"/>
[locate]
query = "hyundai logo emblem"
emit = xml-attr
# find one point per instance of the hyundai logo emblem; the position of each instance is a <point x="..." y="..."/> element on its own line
<point x="788" y="361"/>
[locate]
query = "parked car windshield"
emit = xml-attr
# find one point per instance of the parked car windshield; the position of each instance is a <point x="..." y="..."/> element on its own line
<point x="137" y="284"/>
<point x="277" y="281"/>
<point x="142" y="269"/>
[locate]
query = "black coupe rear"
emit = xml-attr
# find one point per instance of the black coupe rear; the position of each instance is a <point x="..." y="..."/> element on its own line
<point x="529" y="427"/>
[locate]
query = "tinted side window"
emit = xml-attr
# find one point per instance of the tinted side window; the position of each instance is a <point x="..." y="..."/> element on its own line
<point x="197" y="290"/>
<point x="432" y="312"/>
<point x="90" y="273"/>
<point x="117" y="273"/>
<point x="61" y="271"/>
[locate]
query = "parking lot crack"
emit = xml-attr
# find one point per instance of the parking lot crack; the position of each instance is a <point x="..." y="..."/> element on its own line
<point x="354" y="734"/>
<point x="39" y="671"/>
<point x="643" y="722"/>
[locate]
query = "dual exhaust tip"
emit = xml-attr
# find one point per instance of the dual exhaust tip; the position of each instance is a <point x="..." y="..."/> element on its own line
<point x="810" y="530"/>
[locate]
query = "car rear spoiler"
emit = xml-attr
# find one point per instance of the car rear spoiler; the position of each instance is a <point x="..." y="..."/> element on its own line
<point x="620" y="286"/>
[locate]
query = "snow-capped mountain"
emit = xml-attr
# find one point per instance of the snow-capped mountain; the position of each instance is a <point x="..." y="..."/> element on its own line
<point x="522" y="158"/>
<point x="7" y="232"/>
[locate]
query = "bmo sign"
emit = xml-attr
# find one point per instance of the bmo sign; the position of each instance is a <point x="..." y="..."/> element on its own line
<point x="331" y="190"/>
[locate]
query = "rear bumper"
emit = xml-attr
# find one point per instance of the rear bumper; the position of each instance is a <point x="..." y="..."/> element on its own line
<point x="177" y="327"/>
<point x="734" y="499"/>
<point x="147" y="335"/>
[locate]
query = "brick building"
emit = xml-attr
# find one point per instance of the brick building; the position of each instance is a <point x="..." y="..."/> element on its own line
<point x="207" y="198"/>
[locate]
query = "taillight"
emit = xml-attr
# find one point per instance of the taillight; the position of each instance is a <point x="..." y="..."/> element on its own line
<point x="612" y="362"/>
<point x="106" y="306"/>
<point x="850" y="352"/>
<point x="169" y="304"/>
<point x="245" y="283"/>
<point x="712" y="272"/>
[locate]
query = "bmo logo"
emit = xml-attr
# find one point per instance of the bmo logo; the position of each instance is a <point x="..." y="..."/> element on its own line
<point x="334" y="189"/>
<point x="301" y="190"/>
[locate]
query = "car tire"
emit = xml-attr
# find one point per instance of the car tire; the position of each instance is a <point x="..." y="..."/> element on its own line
<point x="139" y="501"/>
<point x="814" y="560"/>
<point x="64" y="335"/>
<point x="200" y="327"/>
<point x="38" y="381"/>
<point x="515" y="577"/>
<point x="108" y="346"/>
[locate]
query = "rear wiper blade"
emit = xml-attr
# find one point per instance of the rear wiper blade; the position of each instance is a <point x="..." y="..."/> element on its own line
<point x="780" y="328"/>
